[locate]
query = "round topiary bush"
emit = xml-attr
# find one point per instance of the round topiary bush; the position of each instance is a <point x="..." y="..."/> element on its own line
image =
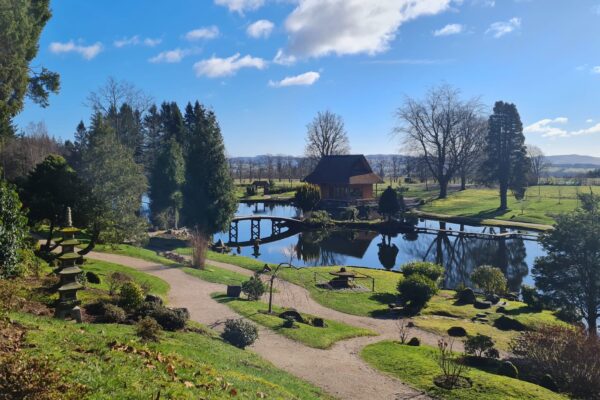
<point x="289" y="322"/>
<point x="131" y="295"/>
<point x="549" y="383"/>
<point x="414" y="341"/>
<point x="416" y="290"/>
<point x="254" y="288"/>
<point x="466" y="296"/>
<point x="509" y="324"/>
<point x="148" y="330"/>
<point x="170" y="320"/>
<point x="457" y="331"/>
<point x="239" y="333"/>
<point x="508" y="369"/>
<point x="428" y="269"/>
<point x="113" y="314"/>
<point x="92" y="277"/>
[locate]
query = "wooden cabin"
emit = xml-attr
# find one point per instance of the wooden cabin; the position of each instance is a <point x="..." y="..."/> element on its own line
<point x="345" y="179"/>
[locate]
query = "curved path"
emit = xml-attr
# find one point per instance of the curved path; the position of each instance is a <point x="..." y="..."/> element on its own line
<point x="339" y="371"/>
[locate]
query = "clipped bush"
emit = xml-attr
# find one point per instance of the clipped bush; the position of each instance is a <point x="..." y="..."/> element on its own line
<point x="428" y="269"/>
<point x="95" y="308"/>
<point x="490" y="279"/>
<point x="549" y="383"/>
<point x="509" y="324"/>
<point x="307" y="197"/>
<point x="531" y="297"/>
<point x="115" y="280"/>
<point x="92" y="277"/>
<point x="416" y="291"/>
<point x="254" y="288"/>
<point x="457" y="331"/>
<point x="239" y="333"/>
<point x="131" y="295"/>
<point x="113" y="314"/>
<point x="319" y="218"/>
<point x="508" y="369"/>
<point x="170" y="320"/>
<point x="414" y="341"/>
<point x="466" y="296"/>
<point x="480" y="346"/>
<point x="289" y="322"/>
<point x="148" y="329"/>
<point x="319" y="323"/>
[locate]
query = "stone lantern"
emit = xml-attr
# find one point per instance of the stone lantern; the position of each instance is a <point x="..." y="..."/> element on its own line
<point x="69" y="273"/>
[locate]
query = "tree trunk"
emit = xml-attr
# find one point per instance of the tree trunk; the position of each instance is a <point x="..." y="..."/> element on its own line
<point x="49" y="238"/>
<point x="463" y="181"/>
<point x="443" y="188"/>
<point x="592" y="322"/>
<point x="503" y="197"/>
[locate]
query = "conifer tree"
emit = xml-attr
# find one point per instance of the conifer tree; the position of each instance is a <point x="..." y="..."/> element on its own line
<point x="166" y="181"/>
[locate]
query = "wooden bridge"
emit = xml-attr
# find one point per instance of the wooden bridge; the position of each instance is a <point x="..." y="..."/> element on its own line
<point x="477" y="235"/>
<point x="290" y="226"/>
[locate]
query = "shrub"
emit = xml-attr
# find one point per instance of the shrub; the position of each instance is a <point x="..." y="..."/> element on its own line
<point x="319" y="218"/>
<point x="289" y="322"/>
<point x="13" y="230"/>
<point x="568" y="355"/>
<point x="414" y="341"/>
<point x="116" y="280"/>
<point x="350" y="213"/>
<point x="466" y="296"/>
<point x="169" y="319"/>
<point x="307" y="197"/>
<point x="250" y="190"/>
<point x="388" y="203"/>
<point x="452" y="368"/>
<point x="508" y="369"/>
<point x="509" y="324"/>
<point x="416" y="291"/>
<point x="148" y="329"/>
<point x="457" y="331"/>
<point x="113" y="314"/>
<point x="254" y="288"/>
<point x="490" y="279"/>
<point x="549" y="383"/>
<point x="239" y="333"/>
<point x="428" y="269"/>
<point x="92" y="277"/>
<point x="480" y="346"/>
<point x="131" y="295"/>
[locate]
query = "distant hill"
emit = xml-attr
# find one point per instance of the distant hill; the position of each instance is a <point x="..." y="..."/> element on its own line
<point x="574" y="159"/>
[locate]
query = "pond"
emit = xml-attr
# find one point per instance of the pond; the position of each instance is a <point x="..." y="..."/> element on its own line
<point x="458" y="253"/>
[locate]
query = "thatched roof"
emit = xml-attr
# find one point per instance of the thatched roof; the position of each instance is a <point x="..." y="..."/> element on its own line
<point x="343" y="170"/>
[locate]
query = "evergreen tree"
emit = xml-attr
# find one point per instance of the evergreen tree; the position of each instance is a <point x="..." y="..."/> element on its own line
<point x="116" y="185"/>
<point x="389" y="205"/>
<point x="13" y="230"/>
<point x="209" y="202"/>
<point x="506" y="161"/>
<point x="166" y="181"/>
<point x="152" y="136"/>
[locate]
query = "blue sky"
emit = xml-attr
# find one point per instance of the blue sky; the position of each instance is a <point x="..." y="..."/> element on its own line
<point x="268" y="66"/>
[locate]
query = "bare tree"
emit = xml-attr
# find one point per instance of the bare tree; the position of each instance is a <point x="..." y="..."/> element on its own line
<point x="395" y="162"/>
<point x="326" y="136"/>
<point x="473" y="130"/>
<point x="115" y="93"/>
<point x="538" y="163"/>
<point x="433" y="128"/>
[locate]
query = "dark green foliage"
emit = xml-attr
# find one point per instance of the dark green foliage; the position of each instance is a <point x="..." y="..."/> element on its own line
<point x="13" y="230"/>
<point x="209" y="200"/>
<point x="166" y="181"/>
<point x="254" y="288"/>
<point x="506" y="161"/>
<point x="570" y="272"/>
<point x="21" y="24"/>
<point x="350" y="213"/>
<point x="531" y="297"/>
<point x="416" y="290"/>
<point x="239" y="333"/>
<point x="307" y="197"/>
<point x="113" y="314"/>
<point x="170" y="320"/>
<point x="480" y="345"/>
<point x="319" y="218"/>
<point x="466" y="296"/>
<point x="127" y="125"/>
<point x="549" y="383"/>
<point x="509" y="324"/>
<point x="131" y="295"/>
<point x="414" y="341"/>
<point x="289" y="322"/>
<point x="508" y="369"/>
<point x="148" y="330"/>
<point x="490" y="279"/>
<point x="92" y="277"/>
<point x="389" y="205"/>
<point x="428" y="269"/>
<point x="457" y="331"/>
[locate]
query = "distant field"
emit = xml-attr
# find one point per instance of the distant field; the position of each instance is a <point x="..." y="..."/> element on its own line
<point x="541" y="205"/>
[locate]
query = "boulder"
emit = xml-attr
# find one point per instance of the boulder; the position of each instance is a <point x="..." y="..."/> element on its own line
<point x="457" y="331"/>
<point x="291" y="313"/>
<point x="234" y="291"/>
<point x="493" y="298"/>
<point x="509" y="324"/>
<point x="482" y="305"/>
<point x="414" y="342"/>
<point x="319" y="323"/>
<point x="466" y="296"/>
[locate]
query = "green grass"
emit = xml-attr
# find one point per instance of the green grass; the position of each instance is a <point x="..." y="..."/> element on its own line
<point x="135" y="252"/>
<point x="417" y="367"/>
<point x="541" y="205"/>
<point x="216" y="275"/>
<point x="320" y="338"/>
<point x="204" y="366"/>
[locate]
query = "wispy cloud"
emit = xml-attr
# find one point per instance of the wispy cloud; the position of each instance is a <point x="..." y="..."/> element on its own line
<point x="305" y="79"/>
<point x="169" y="56"/>
<point x="450" y="29"/>
<point x="501" y="28"/>
<point x="410" y="61"/>
<point x="207" y="32"/>
<point x="554" y="128"/>
<point x="136" y="40"/>
<point x="87" y="52"/>
<point x="215" y="67"/>
<point x="260" y="29"/>
<point x="596" y="69"/>
<point x="240" y="6"/>
<point x="283" y="59"/>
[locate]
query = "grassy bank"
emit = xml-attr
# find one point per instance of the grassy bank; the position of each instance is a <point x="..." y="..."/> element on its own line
<point x="320" y="338"/>
<point x="216" y="275"/>
<point x="112" y="363"/>
<point x="417" y="366"/>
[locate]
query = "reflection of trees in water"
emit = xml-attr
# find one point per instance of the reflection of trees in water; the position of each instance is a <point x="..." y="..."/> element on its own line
<point x="460" y="255"/>
<point x="387" y="252"/>
<point x="309" y="249"/>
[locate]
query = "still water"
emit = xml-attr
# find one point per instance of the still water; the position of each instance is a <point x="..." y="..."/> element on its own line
<point x="459" y="254"/>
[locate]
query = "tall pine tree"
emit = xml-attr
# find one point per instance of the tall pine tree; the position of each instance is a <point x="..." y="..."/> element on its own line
<point x="506" y="162"/>
<point x="166" y="181"/>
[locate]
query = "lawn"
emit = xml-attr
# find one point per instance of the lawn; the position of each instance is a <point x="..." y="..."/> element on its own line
<point x="320" y="338"/>
<point x="216" y="275"/>
<point x="417" y="367"/>
<point x="136" y="252"/>
<point x="112" y="363"/>
<point x="541" y="205"/>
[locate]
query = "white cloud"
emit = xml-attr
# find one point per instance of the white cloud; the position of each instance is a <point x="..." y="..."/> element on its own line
<point x="208" y="32"/>
<point x="305" y="79"/>
<point x="548" y="128"/>
<point x="170" y="56"/>
<point x="283" y="59"/>
<point x="135" y="40"/>
<point x="450" y="29"/>
<point x="320" y="27"/>
<point x="596" y="69"/>
<point x="152" y="42"/>
<point x="240" y="6"/>
<point x="501" y="28"/>
<point x="260" y="28"/>
<point x="87" y="52"/>
<point x="589" y="120"/>
<point x="216" y="67"/>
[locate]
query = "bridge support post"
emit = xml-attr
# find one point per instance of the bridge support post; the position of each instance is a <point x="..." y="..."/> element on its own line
<point x="233" y="232"/>
<point x="254" y="229"/>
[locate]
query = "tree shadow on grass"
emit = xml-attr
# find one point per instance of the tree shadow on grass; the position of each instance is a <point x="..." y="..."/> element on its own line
<point x="491" y="213"/>
<point x="166" y="244"/>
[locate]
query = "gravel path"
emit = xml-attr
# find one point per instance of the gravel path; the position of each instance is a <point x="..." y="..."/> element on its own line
<point x="339" y="371"/>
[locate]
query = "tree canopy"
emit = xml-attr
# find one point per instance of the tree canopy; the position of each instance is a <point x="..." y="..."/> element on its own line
<point x="326" y="136"/>
<point x="389" y="205"/>
<point x="13" y="230"/>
